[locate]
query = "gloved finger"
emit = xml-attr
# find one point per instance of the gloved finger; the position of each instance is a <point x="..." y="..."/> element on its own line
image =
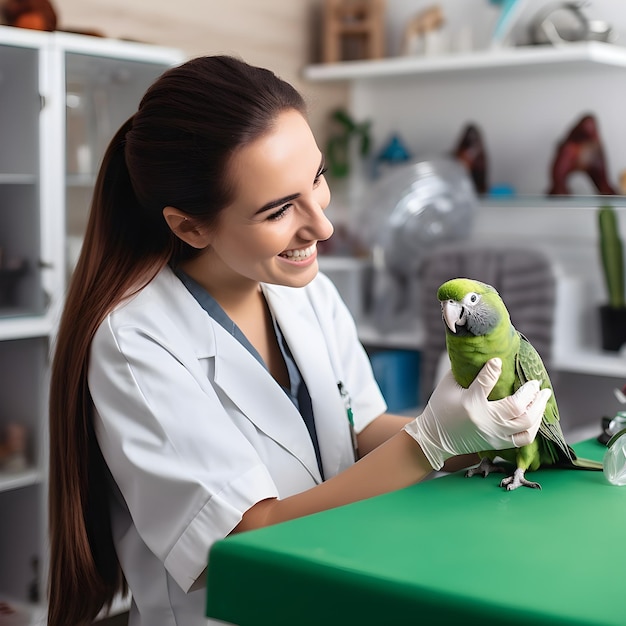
<point x="523" y="410"/>
<point x="534" y="415"/>
<point x="537" y="409"/>
<point x="519" y="402"/>
<point x="488" y="376"/>
<point x="535" y="412"/>
<point x="521" y="439"/>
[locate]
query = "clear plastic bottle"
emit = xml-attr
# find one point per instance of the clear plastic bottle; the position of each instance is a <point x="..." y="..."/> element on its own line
<point x="614" y="462"/>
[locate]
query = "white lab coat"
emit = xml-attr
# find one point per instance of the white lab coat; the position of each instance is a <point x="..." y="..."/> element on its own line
<point x="195" y="431"/>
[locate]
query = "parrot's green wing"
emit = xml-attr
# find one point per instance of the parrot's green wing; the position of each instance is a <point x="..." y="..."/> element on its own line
<point x="553" y="448"/>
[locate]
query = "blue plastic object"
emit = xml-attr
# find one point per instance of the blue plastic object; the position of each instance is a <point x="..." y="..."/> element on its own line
<point x="397" y="375"/>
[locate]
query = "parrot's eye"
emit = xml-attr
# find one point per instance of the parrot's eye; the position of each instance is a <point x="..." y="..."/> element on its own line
<point x="471" y="298"/>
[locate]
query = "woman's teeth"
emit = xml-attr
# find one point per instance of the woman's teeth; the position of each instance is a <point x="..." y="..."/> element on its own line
<point x="299" y="254"/>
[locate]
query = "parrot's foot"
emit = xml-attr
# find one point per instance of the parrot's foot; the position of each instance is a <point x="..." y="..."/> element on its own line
<point x="518" y="480"/>
<point x="484" y="468"/>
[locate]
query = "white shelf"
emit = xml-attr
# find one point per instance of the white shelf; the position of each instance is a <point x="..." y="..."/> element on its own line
<point x="508" y="59"/>
<point x="588" y="361"/>
<point x="17" y="179"/>
<point x="24" y="327"/>
<point x="541" y="202"/>
<point x="17" y="480"/>
<point x="403" y="339"/>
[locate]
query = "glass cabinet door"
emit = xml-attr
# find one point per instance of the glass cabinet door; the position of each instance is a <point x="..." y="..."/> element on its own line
<point x="101" y="94"/>
<point x="20" y="239"/>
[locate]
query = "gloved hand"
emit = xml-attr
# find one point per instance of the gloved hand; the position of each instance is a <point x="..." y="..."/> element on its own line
<point x="461" y="421"/>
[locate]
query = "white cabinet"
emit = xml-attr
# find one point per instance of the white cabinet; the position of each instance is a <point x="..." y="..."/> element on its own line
<point x="61" y="98"/>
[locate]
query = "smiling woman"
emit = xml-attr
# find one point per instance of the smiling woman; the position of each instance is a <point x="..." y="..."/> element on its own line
<point x="207" y="379"/>
<point x="275" y="244"/>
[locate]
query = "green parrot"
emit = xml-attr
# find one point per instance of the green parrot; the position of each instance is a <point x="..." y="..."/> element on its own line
<point x="478" y="328"/>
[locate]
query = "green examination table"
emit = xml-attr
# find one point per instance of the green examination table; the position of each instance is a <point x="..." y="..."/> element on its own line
<point x="453" y="550"/>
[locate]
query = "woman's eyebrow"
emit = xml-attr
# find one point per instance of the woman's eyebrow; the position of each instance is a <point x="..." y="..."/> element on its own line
<point x="272" y="204"/>
<point x="276" y="203"/>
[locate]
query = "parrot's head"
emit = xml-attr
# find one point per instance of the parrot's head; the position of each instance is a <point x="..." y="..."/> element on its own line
<point x="469" y="307"/>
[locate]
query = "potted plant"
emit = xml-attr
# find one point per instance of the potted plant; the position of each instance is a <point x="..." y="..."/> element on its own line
<point x="613" y="313"/>
<point x="339" y="149"/>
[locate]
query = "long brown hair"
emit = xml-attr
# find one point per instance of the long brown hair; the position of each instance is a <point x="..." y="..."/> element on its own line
<point x="174" y="151"/>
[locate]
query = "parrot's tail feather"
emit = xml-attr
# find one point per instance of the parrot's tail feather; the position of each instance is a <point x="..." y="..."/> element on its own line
<point x="587" y="464"/>
<point x="578" y="464"/>
<point x="553" y="433"/>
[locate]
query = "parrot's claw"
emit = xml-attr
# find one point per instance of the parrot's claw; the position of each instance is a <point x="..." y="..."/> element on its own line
<point x="518" y="480"/>
<point x="484" y="468"/>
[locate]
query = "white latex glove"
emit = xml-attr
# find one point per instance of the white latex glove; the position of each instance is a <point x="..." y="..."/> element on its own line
<point x="461" y="421"/>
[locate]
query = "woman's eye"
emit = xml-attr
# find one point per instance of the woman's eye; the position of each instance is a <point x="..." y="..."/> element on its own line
<point x="321" y="173"/>
<point x="280" y="213"/>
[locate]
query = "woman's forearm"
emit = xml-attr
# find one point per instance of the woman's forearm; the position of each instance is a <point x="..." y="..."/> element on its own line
<point x="397" y="463"/>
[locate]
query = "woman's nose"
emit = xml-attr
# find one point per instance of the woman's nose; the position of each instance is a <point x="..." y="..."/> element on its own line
<point x="316" y="224"/>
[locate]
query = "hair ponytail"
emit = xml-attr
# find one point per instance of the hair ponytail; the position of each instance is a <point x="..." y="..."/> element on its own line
<point x="84" y="565"/>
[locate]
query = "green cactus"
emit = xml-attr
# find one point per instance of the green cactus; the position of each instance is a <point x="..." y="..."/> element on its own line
<point x="612" y="254"/>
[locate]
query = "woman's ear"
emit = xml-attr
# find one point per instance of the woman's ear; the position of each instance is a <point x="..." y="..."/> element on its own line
<point x="186" y="228"/>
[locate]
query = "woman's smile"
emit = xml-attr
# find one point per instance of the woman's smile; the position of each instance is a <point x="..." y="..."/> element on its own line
<point x="300" y="256"/>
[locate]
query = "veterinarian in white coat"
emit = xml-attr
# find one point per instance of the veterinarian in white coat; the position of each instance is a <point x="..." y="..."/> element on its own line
<point x="206" y="379"/>
<point x="189" y="464"/>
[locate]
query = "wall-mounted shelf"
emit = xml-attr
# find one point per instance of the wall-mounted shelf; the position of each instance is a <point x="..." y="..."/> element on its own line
<point x="507" y="59"/>
<point x="17" y="179"/>
<point x="564" y="203"/>
<point x="25" y="326"/>
<point x="405" y="338"/>
<point x="15" y="480"/>
<point x="588" y="361"/>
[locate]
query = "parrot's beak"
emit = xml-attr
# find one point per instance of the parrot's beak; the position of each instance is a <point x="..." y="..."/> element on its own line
<point x="452" y="313"/>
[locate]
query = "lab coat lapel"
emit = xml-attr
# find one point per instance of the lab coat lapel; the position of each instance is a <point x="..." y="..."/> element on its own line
<point x="261" y="399"/>
<point x="308" y="346"/>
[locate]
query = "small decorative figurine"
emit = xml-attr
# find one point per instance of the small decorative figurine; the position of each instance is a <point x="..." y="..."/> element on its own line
<point x="353" y="30"/>
<point x="392" y="154"/>
<point x="471" y="152"/>
<point x="13" y="448"/>
<point x="33" y="14"/>
<point x="580" y="151"/>
<point x="421" y="26"/>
